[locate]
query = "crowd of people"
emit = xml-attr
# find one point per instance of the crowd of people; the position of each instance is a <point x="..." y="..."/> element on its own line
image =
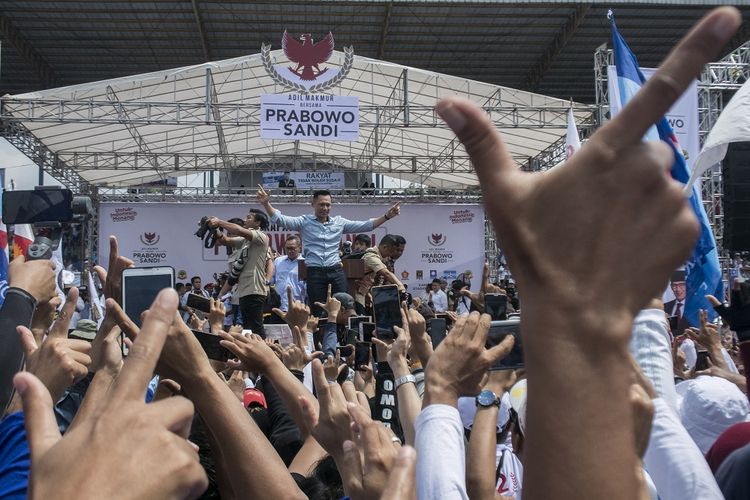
<point x="612" y="400"/>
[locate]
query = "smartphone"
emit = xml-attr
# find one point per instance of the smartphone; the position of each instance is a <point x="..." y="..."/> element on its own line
<point x="496" y="305"/>
<point x="354" y="321"/>
<point x="701" y="362"/>
<point x="37" y="205"/>
<point x="368" y="330"/>
<point x="498" y="331"/>
<point x="140" y="286"/>
<point x="361" y="355"/>
<point x="438" y="331"/>
<point x="673" y="323"/>
<point x="211" y="346"/>
<point x="345" y="350"/>
<point x="386" y="309"/>
<point x="199" y="302"/>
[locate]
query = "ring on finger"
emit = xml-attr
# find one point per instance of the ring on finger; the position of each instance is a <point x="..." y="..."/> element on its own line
<point x="395" y="440"/>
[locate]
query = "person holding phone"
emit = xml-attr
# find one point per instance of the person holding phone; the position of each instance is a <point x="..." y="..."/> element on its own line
<point x="321" y="235"/>
<point x="376" y="269"/>
<point x="251" y="257"/>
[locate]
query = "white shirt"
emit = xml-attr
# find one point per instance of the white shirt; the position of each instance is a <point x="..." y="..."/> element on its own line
<point x="286" y="273"/>
<point x="651" y="347"/>
<point x="441" y="460"/>
<point x="674" y="461"/>
<point x="463" y="305"/>
<point x="673" y="312"/>
<point x="440" y="301"/>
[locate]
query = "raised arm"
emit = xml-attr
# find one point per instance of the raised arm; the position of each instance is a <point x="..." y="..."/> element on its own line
<point x="392" y="212"/>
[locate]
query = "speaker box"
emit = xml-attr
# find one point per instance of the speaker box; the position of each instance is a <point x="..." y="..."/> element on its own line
<point x="735" y="170"/>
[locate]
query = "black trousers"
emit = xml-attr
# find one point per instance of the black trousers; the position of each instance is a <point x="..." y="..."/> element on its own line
<point x="318" y="279"/>
<point x="251" y="307"/>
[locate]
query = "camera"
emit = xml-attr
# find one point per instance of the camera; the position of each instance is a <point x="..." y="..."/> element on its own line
<point x="347" y="248"/>
<point x="207" y="233"/>
<point x="48" y="209"/>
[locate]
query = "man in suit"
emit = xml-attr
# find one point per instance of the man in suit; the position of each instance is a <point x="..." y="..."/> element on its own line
<point x="676" y="307"/>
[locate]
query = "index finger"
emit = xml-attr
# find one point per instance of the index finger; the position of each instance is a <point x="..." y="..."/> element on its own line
<point x="62" y="323"/>
<point x="675" y="74"/>
<point x="139" y="366"/>
<point x="289" y="300"/>
<point x="329" y="292"/>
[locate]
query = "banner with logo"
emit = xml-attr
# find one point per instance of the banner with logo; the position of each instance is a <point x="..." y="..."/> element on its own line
<point x="443" y="241"/>
<point x="309" y="117"/>
<point x="306" y="180"/>
<point x="682" y="116"/>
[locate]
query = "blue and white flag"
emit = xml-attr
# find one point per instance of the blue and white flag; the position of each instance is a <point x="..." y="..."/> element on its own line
<point x="702" y="269"/>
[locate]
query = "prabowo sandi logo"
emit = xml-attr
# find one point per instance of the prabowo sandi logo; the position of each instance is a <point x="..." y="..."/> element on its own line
<point x="405" y="275"/>
<point x="436" y="239"/>
<point x="306" y="56"/>
<point x="150" y="239"/>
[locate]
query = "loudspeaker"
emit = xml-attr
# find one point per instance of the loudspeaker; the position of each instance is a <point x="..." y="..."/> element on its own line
<point x="735" y="170"/>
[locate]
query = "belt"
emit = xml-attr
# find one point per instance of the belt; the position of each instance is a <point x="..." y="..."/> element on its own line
<point x="327" y="268"/>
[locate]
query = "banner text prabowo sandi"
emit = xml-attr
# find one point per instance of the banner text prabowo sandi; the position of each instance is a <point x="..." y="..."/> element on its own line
<point x="443" y="241"/>
<point x="315" y="117"/>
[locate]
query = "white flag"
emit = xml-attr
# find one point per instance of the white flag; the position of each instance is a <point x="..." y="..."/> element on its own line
<point x="733" y="125"/>
<point x="572" y="142"/>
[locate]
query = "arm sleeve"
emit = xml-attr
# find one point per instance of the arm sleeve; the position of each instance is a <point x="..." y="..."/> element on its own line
<point x="17" y="309"/>
<point x="294" y="223"/>
<point x="652" y="350"/>
<point x="329" y="339"/>
<point x="674" y="461"/>
<point x="372" y="262"/>
<point x="441" y="460"/>
<point x="358" y="226"/>
<point x="384" y="406"/>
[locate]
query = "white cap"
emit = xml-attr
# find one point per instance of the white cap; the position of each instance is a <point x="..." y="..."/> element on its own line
<point x="518" y="402"/>
<point x="708" y="406"/>
<point x="467" y="408"/>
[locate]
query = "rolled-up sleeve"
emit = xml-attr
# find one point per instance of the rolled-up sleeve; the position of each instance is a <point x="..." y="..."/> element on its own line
<point x="287" y="222"/>
<point x="358" y="226"/>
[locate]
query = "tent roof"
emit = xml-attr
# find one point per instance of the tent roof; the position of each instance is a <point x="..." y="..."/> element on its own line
<point x="240" y="82"/>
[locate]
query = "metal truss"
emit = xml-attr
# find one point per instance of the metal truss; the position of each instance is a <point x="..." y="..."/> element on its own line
<point x="181" y="163"/>
<point x="240" y="114"/>
<point x="20" y="137"/>
<point x="243" y="195"/>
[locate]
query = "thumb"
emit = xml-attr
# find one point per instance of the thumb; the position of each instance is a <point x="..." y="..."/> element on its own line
<point x="323" y="306"/>
<point x="483" y="144"/>
<point x="28" y="343"/>
<point x="501" y="350"/>
<point x="278" y="312"/>
<point x="316" y="354"/>
<point x="309" y="413"/>
<point x="39" y="418"/>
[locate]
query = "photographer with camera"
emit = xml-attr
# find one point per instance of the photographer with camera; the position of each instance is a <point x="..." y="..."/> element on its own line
<point x="247" y="264"/>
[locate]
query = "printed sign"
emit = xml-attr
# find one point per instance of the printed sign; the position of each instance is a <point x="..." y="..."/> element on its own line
<point x="309" y="117"/>
<point x="305" y="180"/>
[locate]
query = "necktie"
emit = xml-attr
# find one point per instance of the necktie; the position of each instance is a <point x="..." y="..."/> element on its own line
<point x="678" y="311"/>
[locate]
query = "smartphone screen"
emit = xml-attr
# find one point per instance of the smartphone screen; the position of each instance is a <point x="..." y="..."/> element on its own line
<point x="498" y="331"/>
<point x="199" y="302"/>
<point x="345" y="350"/>
<point x="438" y="329"/>
<point x="673" y="323"/>
<point x="211" y="346"/>
<point x="387" y="310"/>
<point x="368" y="329"/>
<point x="37" y="205"/>
<point x="355" y="321"/>
<point x="361" y="355"/>
<point x="140" y="287"/>
<point x="701" y="362"/>
<point x="496" y="305"/>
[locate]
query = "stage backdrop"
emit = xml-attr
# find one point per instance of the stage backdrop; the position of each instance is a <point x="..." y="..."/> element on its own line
<point x="442" y="240"/>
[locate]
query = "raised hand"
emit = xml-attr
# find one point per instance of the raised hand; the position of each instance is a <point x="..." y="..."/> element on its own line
<point x="460" y="362"/>
<point x="331" y="307"/>
<point x="421" y="343"/>
<point x="298" y="313"/>
<point x="104" y="440"/>
<point x="112" y="276"/>
<point x="255" y="355"/>
<point x="262" y="195"/>
<point x="216" y="316"/>
<point x="37" y="277"/>
<point x="393" y="211"/>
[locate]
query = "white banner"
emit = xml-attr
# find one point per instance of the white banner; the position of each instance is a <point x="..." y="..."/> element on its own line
<point x="309" y="117"/>
<point x="304" y="180"/>
<point x="442" y="240"/>
<point x="682" y="116"/>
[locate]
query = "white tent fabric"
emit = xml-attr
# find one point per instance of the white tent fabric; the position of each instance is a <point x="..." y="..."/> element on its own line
<point x="242" y="81"/>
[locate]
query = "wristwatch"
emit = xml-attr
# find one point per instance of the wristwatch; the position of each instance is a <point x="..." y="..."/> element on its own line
<point x="487" y="398"/>
<point x="406" y="379"/>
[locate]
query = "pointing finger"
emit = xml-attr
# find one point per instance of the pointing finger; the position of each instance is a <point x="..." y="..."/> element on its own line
<point x="60" y="327"/>
<point x="676" y="73"/>
<point x="28" y="344"/>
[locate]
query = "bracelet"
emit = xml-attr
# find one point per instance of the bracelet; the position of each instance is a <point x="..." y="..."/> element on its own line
<point x="406" y="379"/>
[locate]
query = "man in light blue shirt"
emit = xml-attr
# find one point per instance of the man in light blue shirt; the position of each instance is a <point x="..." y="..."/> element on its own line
<point x="321" y="235"/>
<point x="286" y="273"/>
